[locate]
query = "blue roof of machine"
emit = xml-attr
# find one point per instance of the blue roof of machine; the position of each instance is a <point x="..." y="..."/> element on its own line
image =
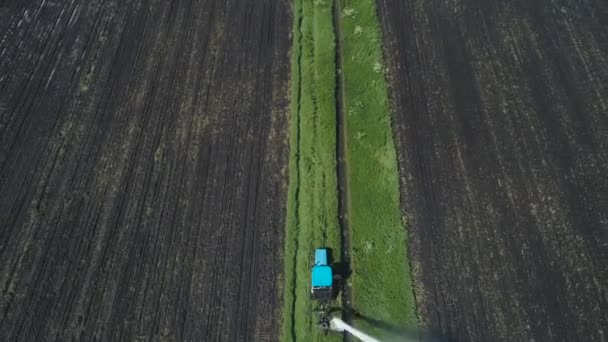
<point x="321" y="256"/>
<point x="322" y="276"/>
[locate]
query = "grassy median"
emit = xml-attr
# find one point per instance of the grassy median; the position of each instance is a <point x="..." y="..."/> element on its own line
<point x="313" y="201"/>
<point x="381" y="285"/>
<point x="382" y="288"/>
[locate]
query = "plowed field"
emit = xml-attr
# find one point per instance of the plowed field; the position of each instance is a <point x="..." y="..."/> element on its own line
<point x="143" y="156"/>
<point x="501" y="121"/>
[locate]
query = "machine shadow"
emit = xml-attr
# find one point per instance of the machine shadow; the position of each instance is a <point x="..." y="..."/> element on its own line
<point x="342" y="269"/>
<point x="342" y="272"/>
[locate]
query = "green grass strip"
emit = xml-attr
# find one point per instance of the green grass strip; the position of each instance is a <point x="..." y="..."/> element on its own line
<point x="381" y="284"/>
<point x="312" y="196"/>
<point x="382" y="287"/>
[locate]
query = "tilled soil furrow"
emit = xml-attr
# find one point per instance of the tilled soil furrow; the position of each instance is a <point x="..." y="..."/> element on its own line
<point x="138" y="172"/>
<point x="498" y="121"/>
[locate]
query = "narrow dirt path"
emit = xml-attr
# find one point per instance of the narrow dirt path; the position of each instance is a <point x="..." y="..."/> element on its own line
<point x="342" y="164"/>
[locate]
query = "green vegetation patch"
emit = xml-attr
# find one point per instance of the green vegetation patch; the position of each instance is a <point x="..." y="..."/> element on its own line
<point x="312" y="219"/>
<point x="381" y="283"/>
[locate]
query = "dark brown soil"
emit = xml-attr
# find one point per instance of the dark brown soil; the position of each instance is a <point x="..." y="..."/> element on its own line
<point x="502" y="126"/>
<point x="143" y="159"/>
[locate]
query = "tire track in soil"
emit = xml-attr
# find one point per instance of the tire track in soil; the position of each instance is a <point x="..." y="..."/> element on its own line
<point x="501" y="127"/>
<point x="342" y="171"/>
<point x="142" y="169"/>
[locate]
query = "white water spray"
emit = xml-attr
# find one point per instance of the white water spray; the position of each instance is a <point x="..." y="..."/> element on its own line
<point x="337" y="324"/>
